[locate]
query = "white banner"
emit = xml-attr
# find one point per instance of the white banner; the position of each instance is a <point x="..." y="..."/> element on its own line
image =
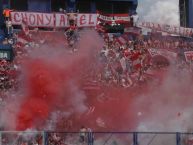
<point x="52" y="19"/>
<point x="188" y="32"/>
<point x="132" y="30"/>
<point x="33" y="19"/>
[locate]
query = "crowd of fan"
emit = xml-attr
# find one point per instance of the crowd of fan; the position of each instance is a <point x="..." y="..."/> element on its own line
<point x="21" y="139"/>
<point x="10" y="70"/>
<point x="60" y="139"/>
<point x="125" y="65"/>
<point x="169" y="42"/>
<point x="119" y="65"/>
<point x="120" y="62"/>
<point x="84" y="137"/>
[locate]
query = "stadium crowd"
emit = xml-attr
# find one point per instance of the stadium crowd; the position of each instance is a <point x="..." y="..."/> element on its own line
<point x="21" y="139"/>
<point x="126" y="64"/>
<point x="119" y="64"/>
<point x="85" y="137"/>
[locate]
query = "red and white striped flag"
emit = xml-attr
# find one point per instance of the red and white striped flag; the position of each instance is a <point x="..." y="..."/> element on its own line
<point x="25" y="27"/>
<point x="23" y="37"/>
<point x="121" y="40"/>
<point x="22" y="40"/>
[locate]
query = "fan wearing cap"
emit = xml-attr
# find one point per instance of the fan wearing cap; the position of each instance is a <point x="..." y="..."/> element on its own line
<point x="6" y="13"/>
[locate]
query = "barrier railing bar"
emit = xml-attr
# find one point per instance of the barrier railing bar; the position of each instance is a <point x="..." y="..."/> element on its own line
<point x="1" y="138"/>
<point x="106" y="132"/>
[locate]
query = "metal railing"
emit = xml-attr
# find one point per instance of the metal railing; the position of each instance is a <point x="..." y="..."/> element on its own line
<point x="95" y="138"/>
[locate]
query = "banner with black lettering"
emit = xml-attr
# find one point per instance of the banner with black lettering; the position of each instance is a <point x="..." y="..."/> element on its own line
<point x="117" y="18"/>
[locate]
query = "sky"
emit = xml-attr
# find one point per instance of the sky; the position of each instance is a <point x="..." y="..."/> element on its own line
<point x="159" y="11"/>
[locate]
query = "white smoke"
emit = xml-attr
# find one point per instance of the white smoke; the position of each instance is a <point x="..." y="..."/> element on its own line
<point x="78" y="100"/>
<point x="168" y="107"/>
<point x="159" y="11"/>
<point x="56" y="116"/>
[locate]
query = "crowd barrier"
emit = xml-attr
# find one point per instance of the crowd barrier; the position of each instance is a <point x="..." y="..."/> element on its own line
<point x="100" y="138"/>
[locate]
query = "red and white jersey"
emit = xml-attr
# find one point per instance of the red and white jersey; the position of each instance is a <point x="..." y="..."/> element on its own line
<point x="25" y="28"/>
<point x="121" y="40"/>
<point x="135" y="58"/>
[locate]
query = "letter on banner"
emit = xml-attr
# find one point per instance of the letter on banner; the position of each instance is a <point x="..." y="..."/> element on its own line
<point x="87" y="20"/>
<point x="49" y="20"/>
<point x="32" y="19"/>
<point x="91" y="22"/>
<point x="82" y="20"/>
<point x="24" y="16"/>
<point x="61" y="20"/>
<point x="15" y="18"/>
<point x="40" y="19"/>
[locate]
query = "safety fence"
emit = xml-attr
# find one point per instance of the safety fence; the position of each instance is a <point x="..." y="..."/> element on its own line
<point x="95" y="138"/>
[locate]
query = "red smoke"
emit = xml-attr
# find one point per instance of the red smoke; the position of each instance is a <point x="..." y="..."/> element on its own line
<point x="48" y="87"/>
<point x="44" y="83"/>
<point x="49" y="83"/>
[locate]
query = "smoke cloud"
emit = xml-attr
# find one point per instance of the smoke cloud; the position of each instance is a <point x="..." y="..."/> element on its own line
<point x="168" y="107"/>
<point x="51" y="80"/>
<point x="51" y="91"/>
<point x="159" y="11"/>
